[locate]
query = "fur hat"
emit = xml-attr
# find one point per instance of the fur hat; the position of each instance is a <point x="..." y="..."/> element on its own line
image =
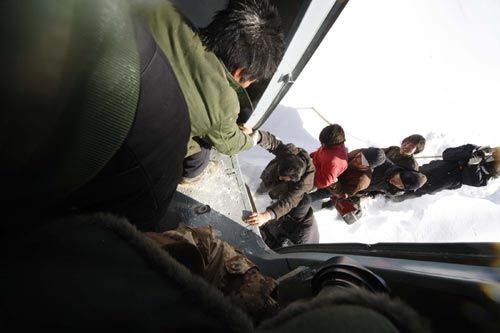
<point x="293" y="166"/>
<point x="492" y="164"/>
<point x="372" y="157"/>
<point x="412" y="180"/>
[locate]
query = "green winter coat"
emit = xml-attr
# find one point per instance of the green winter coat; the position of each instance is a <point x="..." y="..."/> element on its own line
<point x="212" y="95"/>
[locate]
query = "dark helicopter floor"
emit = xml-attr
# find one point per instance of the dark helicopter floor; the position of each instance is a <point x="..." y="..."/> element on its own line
<point x="221" y="201"/>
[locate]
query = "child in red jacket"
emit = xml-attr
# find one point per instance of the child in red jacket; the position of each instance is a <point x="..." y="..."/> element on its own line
<point x="330" y="160"/>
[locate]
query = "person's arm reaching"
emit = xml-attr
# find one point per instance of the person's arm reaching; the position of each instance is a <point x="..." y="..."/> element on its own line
<point x="228" y="138"/>
<point x="259" y="219"/>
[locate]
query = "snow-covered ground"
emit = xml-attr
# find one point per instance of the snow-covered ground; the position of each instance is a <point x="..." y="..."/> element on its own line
<point x="387" y="70"/>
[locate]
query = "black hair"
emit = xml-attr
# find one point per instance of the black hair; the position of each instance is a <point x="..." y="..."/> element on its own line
<point x="248" y="35"/>
<point x="332" y="135"/>
<point x="417" y="140"/>
<point x="293" y="166"/>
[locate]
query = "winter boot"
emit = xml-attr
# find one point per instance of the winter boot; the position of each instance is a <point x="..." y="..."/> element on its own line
<point x="330" y="204"/>
<point x="211" y="169"/>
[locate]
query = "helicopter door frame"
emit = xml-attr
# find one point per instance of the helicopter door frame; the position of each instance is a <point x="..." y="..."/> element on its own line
<point x="315" y="24"/>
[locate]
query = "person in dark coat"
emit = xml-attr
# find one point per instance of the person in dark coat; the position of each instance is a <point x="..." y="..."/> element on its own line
<point x="390" y="180"/>
<point x="468" y="164"/>
<point x="287" y="179"/>
<point x="288" y="231"/>
<point x="404" y="155"/>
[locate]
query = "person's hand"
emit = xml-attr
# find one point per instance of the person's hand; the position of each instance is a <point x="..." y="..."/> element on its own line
<point x="339" y="195"/>
<point x="245" y="128"/>
<point x="258" y="219"/>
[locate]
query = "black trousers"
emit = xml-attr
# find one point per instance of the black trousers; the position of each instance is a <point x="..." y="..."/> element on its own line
<point x="320" y="194"/>
<point x="296" y="227"/>
<point x="299" y="212"/>
<point x="196" y="163"/>
<point x="140" y="180"/>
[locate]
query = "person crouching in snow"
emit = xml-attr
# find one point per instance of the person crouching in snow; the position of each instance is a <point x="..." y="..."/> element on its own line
<point x="287" y="179"/>
<point x="355" y="178"/>
<point x="404" y="155"/>
<point x="392" y="180"/>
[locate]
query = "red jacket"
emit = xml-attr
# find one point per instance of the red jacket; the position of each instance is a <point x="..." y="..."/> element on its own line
<point x="329" y="164"/>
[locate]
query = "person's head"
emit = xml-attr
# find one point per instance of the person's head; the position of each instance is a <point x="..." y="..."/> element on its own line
<point x="493" y="164"/>
<point x="412" y="145"/>
<point x="291" y="168"/>
<point x="247" y="37"/>
<point x="408" y="180"/>
<point x="332" y="135"/>
<point x="371" y="157"/>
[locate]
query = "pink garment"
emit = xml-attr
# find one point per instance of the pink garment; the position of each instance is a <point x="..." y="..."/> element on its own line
<point x="329" y="164"/>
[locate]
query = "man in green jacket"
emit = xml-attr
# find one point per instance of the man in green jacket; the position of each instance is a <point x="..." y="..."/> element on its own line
<point x="242" y="44"/>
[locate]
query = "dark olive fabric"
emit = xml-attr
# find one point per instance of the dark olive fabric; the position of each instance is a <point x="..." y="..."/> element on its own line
<point x="338" y="319"/>
<point x="347" y="310"/>
<point x="70" y="92"/>
<point x="141" y="178"/>
<point x="99" y="273"/>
